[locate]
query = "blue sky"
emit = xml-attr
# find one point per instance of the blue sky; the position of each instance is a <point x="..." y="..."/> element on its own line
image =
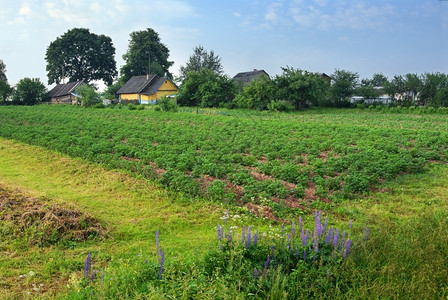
<point x="367" y="37"/>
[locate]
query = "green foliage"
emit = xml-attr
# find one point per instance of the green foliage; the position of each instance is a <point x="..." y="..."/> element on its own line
<point x="280" y="105"/>
<point x="200" y="59"/>
<point x="30" y="91"/>
<point x="167" y="103"/>
<point x="3" y="71"/>
<point x="300" y="88"/>
<point x="343" y="86"/>
<point x="206" y="89"/>
<point x="257" y="155"/>
<point x="257" y="94"/>
<point x="88" y="95"/>
<point x="81" y="55"/>
<point x="288" y="266"/>
<point x="111" y="90"/>
<point x="145" y="47"/>
<point x="434" y="90"/>
<point x="5" y="91"/>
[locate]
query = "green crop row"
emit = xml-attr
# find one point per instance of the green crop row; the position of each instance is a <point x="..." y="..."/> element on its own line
<point x="241" y="156"/>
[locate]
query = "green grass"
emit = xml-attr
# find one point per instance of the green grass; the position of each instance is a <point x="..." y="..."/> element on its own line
<point x="405" y="256"/>
<point x="130" y="208"/>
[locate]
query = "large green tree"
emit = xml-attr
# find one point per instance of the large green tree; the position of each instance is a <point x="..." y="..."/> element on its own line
<point x="5" y="91"/>
<point x="145" y="49"/>
<point x="201" y="59"/>
<point x="343" y="86"/>
<point x="30" y="91"/>
<point x="257" y="94"/>
<point x="81" y="55"/>
<point x="434" y="90"/>
<point x="3" y="71"/>
<point x="206" y="89"/>
<point x="300" y="88"/>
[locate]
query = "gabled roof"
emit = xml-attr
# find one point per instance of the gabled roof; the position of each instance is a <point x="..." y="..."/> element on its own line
<point x="64" y="89"/>
<point x="141" y="85"/>
<point x="137" y="84"/>
<point x="246" y="77"/>
<point x="153" y="88"/>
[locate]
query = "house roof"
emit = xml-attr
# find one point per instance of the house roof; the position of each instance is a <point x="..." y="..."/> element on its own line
<point x="137" y="84"/>
<point x="151" y="89"/>
<point x="246" y="77"/>
<point x="64" y="89"/>
<point x="141" y="85"/>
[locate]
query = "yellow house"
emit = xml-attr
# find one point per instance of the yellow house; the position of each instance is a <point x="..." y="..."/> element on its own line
<point x="146" y="89"/>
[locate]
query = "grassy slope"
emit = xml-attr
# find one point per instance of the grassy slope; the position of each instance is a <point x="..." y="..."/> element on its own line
<point x="406" y="257"/>
<point x="132" y="209"/>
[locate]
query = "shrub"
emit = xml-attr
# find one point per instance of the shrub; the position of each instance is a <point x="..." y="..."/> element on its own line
<point x="280" y="105"/>
<point x="167" y="104"/>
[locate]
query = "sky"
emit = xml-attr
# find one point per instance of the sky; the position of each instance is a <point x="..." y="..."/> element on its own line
<point x="367" y="37"/>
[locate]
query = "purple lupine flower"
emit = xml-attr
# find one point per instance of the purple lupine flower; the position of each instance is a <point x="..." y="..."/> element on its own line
<point x="350" y="225"/>
<point x="218" y="229"/>
<point x="229" y="235"/>
<point x="302" y="237"/>
<point x="87" y="265"/>
<point x="266" y="264"/>
<point x="325" y="224"/>
<point x="329" y="235"/>
<point x="226" y="216"/>
<point x="93" y="275"/>
<point x="336" y="239"/>
<point x="162" y="263"/>
<point x="300" y="223"/>
<point x="289" y="241"/>
<point x="293" y="230"/>
<point x="346" y="252"/>
<point x="316" y="245"/>
<point x="367" y="231"/>
<point x="297" y="253"/>
<point x="304" y="255"/>
<point x="342" y="240"/>
<point x="307" y="236"/>
<point x="249" y="236"/>
<point x="255" y="239"/>
<point x="282" y="230"/>
<point x="244" y="235"/>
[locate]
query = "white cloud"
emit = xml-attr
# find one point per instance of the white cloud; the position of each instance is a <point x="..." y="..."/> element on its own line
<point x="352" y="15"/>
<point x="25" y="10"/>
<point x="271" y="14"/>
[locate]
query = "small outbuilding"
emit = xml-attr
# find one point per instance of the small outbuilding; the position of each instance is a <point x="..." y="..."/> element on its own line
<point x="146" y="89"/>
<point x="65" y="93"/>
<point x="243" y="78"/>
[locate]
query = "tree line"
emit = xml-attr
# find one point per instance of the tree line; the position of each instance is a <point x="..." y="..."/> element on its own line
<point x="79" y="54"/>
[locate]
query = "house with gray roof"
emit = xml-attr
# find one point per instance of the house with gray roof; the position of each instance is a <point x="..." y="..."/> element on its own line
<point x="65" y="93"/>
<point x="243" y="78"/>
<point x="146" y="89"/>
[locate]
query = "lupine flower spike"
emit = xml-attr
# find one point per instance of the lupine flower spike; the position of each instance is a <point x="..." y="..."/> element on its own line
<point x="87" y="265"/>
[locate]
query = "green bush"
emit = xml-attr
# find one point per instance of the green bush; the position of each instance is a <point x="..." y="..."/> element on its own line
<point x="280" y="105"/>
<point x="167" y="104"/>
